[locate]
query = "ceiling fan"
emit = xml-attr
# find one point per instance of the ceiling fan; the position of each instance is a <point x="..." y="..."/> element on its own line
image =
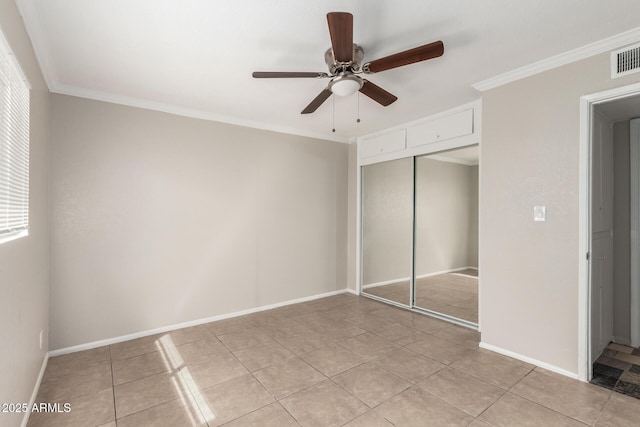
<point x="344" y="59"/>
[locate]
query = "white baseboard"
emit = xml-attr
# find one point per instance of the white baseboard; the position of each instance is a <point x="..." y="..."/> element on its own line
<point x="386" y="282"/>
<point x="530" y="360"/>
<point x="36" y="388"/>
<point x="115" y="340"/>
<point x="622" y="340"/>
<point x="453" y="270"/>
<point x="352" y="291"/>
<point x="421" y="276"/>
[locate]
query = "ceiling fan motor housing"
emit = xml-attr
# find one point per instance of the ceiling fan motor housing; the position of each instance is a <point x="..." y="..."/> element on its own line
<point x="354" y="65"/>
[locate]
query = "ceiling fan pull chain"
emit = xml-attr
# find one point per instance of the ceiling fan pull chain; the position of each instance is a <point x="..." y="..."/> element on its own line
<point x="333" y="98"/>
<point x="358" y="119"/>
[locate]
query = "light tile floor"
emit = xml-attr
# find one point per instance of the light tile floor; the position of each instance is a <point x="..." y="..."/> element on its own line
<point x="337" y="361"/>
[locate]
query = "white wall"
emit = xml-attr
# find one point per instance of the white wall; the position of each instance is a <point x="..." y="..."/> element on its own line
<point x="529" y="270"/>
<point x="24" y="263"/>
<point x="159" y="219"/>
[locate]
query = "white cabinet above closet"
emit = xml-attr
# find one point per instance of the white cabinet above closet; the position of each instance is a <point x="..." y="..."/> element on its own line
<point x="385" y="143"/>
<point x="450" y="129"/>
<point x="451" y="126"/>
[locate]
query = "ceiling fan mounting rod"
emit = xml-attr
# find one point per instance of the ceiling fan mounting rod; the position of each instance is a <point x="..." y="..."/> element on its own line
<point x="336" y="66"/>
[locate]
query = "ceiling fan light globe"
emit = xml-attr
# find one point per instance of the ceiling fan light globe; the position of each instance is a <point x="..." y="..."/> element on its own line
<point x="345" y="87"/>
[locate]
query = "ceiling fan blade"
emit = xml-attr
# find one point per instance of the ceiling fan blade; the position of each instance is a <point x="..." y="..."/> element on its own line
<point x="417" y="54"/>
<point x="286" y="74"/>
<point x="341" y="32"/>
<point x="378" y="94"/>
<point x="318" y="100"/>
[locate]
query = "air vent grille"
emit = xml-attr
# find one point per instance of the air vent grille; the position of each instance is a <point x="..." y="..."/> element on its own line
<point x="625" y="61"/>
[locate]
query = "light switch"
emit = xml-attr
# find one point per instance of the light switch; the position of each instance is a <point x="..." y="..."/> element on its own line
<point x="539" y="213"/>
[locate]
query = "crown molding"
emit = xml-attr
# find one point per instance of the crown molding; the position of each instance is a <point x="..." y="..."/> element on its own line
<point x="33" y="25"/>
<point x="601" y="46"/>
<point x="190" y="112"/>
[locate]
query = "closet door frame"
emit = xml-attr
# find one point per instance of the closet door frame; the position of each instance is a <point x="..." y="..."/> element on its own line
<point x="425" y="150"/>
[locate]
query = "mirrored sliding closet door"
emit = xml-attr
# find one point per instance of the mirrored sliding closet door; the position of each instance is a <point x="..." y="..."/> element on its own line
<point x="420" y="233"/>
<point x="387" y="230"/>
<point x="446" y="233"/>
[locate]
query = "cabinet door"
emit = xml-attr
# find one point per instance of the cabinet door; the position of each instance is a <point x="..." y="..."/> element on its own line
<point x="382" y="144"/>
<point x="452" y="126"/>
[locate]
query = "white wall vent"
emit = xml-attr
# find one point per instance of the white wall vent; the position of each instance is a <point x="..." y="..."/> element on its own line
<point x="625" y="61"/>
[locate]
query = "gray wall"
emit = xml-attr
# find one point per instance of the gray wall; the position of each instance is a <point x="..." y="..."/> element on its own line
<point x="159" y="219"/>
<point x="621" y="233"/>
<point x="446" y="208"/>
<point x="530" y="156"/>
<point x="24" y="263"/>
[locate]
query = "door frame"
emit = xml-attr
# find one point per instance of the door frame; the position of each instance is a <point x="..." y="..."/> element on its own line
<point x="587" y="103"/>
<point x="634" y="149"/>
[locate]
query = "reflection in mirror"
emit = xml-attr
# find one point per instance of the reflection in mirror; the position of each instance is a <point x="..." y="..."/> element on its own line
<point x="387" y="212"/>
<point x="446" y="235"/>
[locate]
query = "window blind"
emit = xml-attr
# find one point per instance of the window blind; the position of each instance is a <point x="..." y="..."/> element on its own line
<point x="14" y="144"/>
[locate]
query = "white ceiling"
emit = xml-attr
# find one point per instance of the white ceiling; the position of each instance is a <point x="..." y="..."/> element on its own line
<point x="195" y="57"/>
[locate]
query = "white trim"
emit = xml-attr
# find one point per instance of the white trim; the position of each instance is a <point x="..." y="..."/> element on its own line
<point x="601" y="46"/>
<point x="351" y="291"/>
<point x="36" y="388"/>
<point x="478" y="129"/>
<point x="386" y="282"/>
<point x="530" y="360"/>
<point x="358" y="222"/>
<point x="634" y="147"/>
<point x="622" y="341"/>
<point x="584" y="243"/>
<point x="412" y="267"/>
<point x="453" y="270"/>
<point x="115" y="340"/>
<point x="190" y="112"/>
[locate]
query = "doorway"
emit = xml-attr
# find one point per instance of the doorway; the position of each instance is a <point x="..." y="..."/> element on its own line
<point x="607" y="306"/>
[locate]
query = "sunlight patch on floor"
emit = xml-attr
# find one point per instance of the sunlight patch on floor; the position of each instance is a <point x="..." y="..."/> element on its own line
<point x="197" y="407"/>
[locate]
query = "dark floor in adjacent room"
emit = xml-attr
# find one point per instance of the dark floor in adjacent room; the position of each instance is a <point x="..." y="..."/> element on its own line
<point x="618" y="369"/>
<point x="338" y="361"/>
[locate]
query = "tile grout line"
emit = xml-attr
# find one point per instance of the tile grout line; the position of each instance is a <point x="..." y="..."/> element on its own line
<point x="113" y="388"/>
<point x="545" y="406"/>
